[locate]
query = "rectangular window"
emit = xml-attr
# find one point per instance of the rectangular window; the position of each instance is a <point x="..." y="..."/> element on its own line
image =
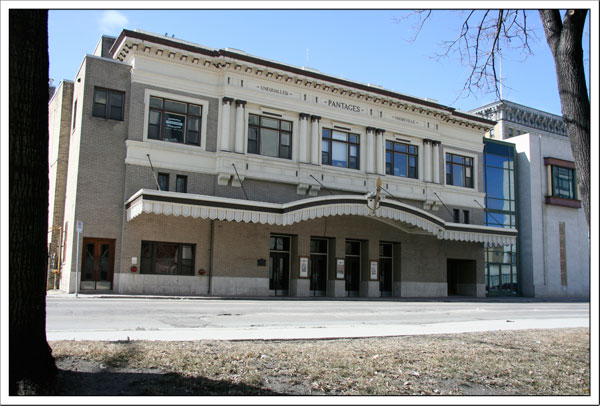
<point x="163" y="258"/>
<point x="74" y="114"/>
<point x="563" y="182"/>
<point x="341" y="149"/>
<point x="466" y="217"/>
<point x="174" y="121"/>
<point x="510" y="132"/>
<point x="459" y="170"/>
<point x="269" y="136"/>
<point x="163" y="181"/>
<point x="401" y="159"/>
<point x="456" y="216"/>
<point x="181" y="184"/>
<point x="108" y="104"/>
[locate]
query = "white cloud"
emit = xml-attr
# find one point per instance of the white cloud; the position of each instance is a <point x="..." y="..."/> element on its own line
<point x="112" y="22"/>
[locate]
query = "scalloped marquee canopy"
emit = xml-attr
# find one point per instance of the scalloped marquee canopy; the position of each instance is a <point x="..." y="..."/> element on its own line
<point x="225" y="209"/>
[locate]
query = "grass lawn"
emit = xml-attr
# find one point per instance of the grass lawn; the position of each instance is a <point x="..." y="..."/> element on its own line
<point x="526" y="362"/>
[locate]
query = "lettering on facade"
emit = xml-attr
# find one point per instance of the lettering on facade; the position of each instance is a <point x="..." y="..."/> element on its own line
<point x="406" y="120"/>
<point x="344" y="106"/>
<point x="274" y="90"/>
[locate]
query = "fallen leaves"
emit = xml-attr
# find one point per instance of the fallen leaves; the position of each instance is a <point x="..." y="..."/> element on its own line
<point x="528" y="362"/>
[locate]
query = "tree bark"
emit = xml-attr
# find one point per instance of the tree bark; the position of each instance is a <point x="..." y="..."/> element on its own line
<point x="32" y="369"/>
<point x="564" y="39"/>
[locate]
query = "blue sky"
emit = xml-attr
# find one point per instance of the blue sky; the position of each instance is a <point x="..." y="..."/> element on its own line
<point x="369" y="46"/>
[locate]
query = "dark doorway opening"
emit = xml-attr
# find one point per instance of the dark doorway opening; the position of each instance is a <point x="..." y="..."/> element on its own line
<point x="279" y="265"/>
<point x="352" y="267"/>
<point x="461" y="277"/>
<point x="318" y="266"/>
<point x="386" y="268"/>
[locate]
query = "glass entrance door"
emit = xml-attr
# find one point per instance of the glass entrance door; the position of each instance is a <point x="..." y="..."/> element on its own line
<point x="318" y="266"/>
<point x="97" y="264"/>
<point x="279" y="265"/>
<point x="385" y="269"/>
<point x="353" y="268"/>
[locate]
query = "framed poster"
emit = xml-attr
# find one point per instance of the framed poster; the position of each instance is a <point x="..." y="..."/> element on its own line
<point x="373" y="270"/>
<point x="339" y="268"/>
<point x="303" y="267"/>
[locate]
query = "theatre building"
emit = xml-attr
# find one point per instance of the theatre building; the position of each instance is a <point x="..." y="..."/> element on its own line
<point x="184" y="170"/>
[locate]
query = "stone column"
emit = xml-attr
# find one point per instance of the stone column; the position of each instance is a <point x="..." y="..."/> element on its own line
<point x="427" y="160"/>
<point x="239" y="126"/>
<point x="370" y="158"/>
<point x="314" y="141"/>
<point x="225" y="133"/>
<point x="436" y="161"/>
<point x="380" y="155"/>
<point x="303" y="141"/>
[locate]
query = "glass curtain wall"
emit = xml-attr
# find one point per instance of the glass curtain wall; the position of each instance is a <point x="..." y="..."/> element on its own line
<point x="501" y="262"/>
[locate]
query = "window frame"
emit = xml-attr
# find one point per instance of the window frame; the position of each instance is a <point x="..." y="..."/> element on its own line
<point x="552" y="195"/>
<point x="180" y="98"/>
<point x="450" y="175"/>
<point x="108" y="106"/>
<point x="188" y="117"/>
<point x="330" y="141"/>
<point x="165" y="175"/>
<point x="153" y="249"/>
<point x="280" y="131"/>
<point x="556" y="180"/>
<point x="177" y="179"/>
<point x="408" y="155"/>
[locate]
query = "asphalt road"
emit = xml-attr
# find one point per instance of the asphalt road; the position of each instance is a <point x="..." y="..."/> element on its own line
<point x="121" y="318"/>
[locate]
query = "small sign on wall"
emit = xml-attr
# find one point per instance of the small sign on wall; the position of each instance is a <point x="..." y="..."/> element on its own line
<point x="339" y="268"/>
<point x="303" y="267"/>
<point x="373" y="271"/>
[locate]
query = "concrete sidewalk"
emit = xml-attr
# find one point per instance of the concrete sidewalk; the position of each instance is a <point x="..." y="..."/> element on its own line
<point x="115" y="317"/>
<point x="303" y="333"/>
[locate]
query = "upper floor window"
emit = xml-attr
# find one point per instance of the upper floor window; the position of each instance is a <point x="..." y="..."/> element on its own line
<point x="174" y="121"/>
<point x="341" y="149"/>
<point x="400" y="159"/>
<point x="181" y="184"/>
<point x="563" y="182"/>
<point x="108" y="104"/>
<point x="269" y="136"/>
<point x="459" y="170"/>
<point x="163" y="181"/>
<point x="74" y="115"/>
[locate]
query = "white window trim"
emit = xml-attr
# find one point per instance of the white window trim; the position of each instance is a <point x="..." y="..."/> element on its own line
<point x="475" y="168"/>
<point x="286" y="116"/>
<point x="174" y="96"/>
<point x="417" y="142"/>
<point x="362" y="144"/>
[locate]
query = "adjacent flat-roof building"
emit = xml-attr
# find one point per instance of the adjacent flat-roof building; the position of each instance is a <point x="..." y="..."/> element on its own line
<point x="182" y="169"/>
<point x="554" y="241"/>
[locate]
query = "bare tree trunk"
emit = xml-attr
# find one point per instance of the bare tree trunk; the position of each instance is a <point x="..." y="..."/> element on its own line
<point x="564" y="38"/>
<point x="31" y="366"/>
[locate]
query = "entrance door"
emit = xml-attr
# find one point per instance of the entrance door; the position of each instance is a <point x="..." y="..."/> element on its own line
<point x="385" y="269"/>
<point x="353" y="267"/>
<point x="279" y="265"/>
<point x="97" y="265"/>
<point x="318" y="266"/>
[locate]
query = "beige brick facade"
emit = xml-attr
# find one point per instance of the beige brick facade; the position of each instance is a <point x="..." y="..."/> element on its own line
<point x="108" y="162"/>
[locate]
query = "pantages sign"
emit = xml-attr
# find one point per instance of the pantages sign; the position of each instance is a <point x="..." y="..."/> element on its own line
<point x="353" y="108"/>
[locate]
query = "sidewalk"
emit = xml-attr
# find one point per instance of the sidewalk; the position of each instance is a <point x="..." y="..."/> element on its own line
<point x="188" y="318"/>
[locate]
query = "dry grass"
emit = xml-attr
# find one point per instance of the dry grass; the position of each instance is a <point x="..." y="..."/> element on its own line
<point x="529" y="362"/>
